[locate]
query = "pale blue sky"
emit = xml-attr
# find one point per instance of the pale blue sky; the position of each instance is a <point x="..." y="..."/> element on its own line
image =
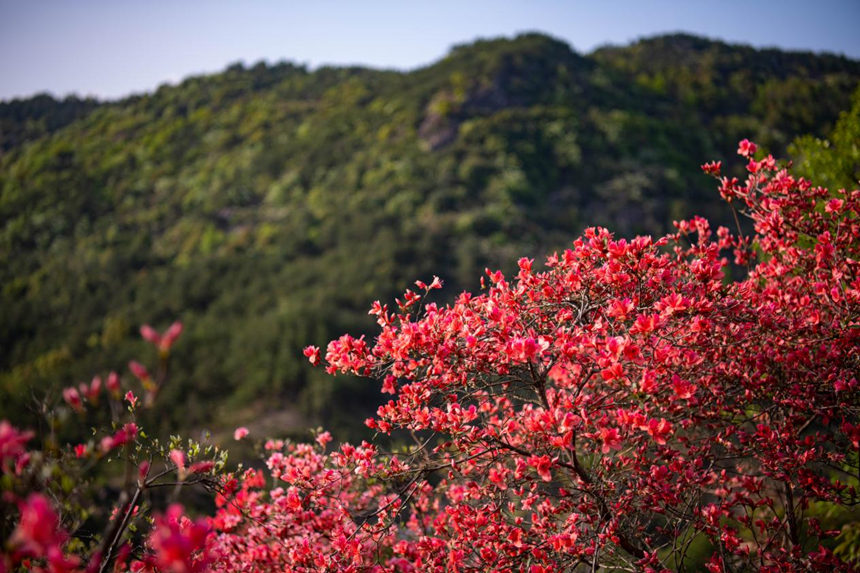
<point x="111" y="48"/>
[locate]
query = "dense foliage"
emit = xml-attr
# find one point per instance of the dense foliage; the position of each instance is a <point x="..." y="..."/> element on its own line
<point x="266" y="206"/>
<point x="627" y="407"/>
<point x="23" y="120"/>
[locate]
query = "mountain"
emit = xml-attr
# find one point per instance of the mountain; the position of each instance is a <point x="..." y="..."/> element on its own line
<point x="268" y="206"/>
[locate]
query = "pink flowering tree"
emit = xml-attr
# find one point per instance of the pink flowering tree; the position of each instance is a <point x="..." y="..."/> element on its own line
<point x="626" y="406"/>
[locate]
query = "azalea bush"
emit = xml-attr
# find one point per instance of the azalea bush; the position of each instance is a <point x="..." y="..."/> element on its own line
<point x="72" y="506"/>
<point x="627" y="406"/>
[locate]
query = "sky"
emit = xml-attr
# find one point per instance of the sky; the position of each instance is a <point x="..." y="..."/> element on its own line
<point x="112" y="48"/>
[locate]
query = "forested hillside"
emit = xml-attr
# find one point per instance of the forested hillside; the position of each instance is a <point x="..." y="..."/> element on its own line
<point x="266" y="207"/>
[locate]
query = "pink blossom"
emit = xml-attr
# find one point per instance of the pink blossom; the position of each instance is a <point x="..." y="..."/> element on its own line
<point x="746" y="148"/>
<point x="139" y="370"/>
<point x="178" y="458"/>
<point x="313" y="354"/>
<point x="73" y="398"/>
<point x="611" y="440"/>
<point x="120" y="438"/>
<point x="178" y="544"/>
<point x="201" y="467"/>
<point x="543" y="466"/>
<point x="13" y="453"/>
<point x="323" y="439"/>
<point x="170" y="336"/>
<point x="94" y="389"/>
<point x="712" y="168"/>
<point x="39" y="535"/>
<point x="150" y="335"/>
<point x="162" y="341"/>
<point x="112" y="384"/>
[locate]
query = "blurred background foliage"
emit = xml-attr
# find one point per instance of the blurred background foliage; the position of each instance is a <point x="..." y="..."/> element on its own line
<point x="267" y="206"/>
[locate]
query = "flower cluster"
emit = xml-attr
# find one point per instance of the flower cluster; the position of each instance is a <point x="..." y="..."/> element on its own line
<point x="37" y="483"/>
<point x="630" y="399"/>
